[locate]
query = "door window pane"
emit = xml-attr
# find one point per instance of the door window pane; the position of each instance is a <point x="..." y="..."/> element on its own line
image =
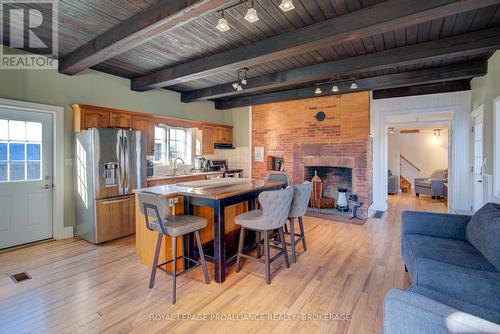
<point x="33" y="151"/>
<point x="34" y="131"/>
<point x="17" y="171"/>
<point x="17" y="130"/>
<point x="34" y="171"/>
<point x="3" y="151"/>
<point x="4" y="129"/>
<point x="3" y="171"/>
<point x="17" y="152"/>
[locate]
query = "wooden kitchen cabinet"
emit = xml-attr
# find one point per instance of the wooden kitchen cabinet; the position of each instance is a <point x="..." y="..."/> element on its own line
<point x="146" y="125"/>
<point x="223" y="135"/>
<point x="219" y="135"/>
<point x="120" y="120"/>
<point x="228" y="135"/>
<point x="116" y="218"/>
<point x="207" y="139"/>
<point x="95" y="119"/>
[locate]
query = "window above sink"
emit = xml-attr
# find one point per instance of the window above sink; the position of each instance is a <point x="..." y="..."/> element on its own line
<point x="171" y="143"/>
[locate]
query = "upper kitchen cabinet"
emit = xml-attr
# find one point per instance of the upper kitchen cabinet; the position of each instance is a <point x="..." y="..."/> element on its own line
<point x="120" y="120"/>
<point x="147" y="125"/>
<point x="208" y="139"/>
<point x="86" y="118"/>
<point x="223" y="135"/>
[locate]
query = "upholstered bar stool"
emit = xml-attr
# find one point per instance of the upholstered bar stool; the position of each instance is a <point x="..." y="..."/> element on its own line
<point x="157" y="214"/>
<point x="275" y="206"/>
<point x="277" y="176"/>
<point x="300" y="201"/>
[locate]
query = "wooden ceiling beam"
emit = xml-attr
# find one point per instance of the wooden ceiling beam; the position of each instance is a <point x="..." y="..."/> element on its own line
<point x="434" y="88"/>
<point x="454" y="72"/>
<point x="386" y="16"/>
<point x="461" y="45"/>
<point x="145" y="25"/>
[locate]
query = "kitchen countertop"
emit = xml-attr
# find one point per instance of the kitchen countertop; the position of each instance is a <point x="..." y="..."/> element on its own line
<point x="178" y="176"/>
<point x="215" y="189"/>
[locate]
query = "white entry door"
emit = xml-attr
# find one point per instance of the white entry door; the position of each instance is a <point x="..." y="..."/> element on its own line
<point x="25" y="177"/>
<point x="478" y="160"/>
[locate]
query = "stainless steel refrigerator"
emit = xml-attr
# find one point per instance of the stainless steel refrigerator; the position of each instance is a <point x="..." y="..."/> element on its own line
<point x="109" y="165"/>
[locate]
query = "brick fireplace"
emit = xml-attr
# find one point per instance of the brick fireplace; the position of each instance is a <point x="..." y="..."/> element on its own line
<point x="341" y="143"/>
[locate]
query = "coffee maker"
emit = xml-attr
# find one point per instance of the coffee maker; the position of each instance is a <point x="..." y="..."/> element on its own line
<point x="278" y="164"/>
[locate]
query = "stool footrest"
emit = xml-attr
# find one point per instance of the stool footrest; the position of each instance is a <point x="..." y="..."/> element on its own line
<point x="197" y="264"/>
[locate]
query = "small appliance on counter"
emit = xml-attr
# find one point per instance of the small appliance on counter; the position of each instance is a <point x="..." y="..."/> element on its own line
<point x="150" y="171"/>
<point x="278" y="164"/>
<point x="221" y="166"/>
<point x="200" y="164"/>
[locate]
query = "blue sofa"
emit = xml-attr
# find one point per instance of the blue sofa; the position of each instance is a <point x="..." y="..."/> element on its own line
<point x="454" y="266"/>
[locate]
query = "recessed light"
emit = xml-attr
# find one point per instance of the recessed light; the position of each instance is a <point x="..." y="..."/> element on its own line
<point x="318" y="91"/>
<point x="286" y="5"/>
<point x="223" y="25"/>
<point x="251" y="15"/>
<point x="335" y="89"/>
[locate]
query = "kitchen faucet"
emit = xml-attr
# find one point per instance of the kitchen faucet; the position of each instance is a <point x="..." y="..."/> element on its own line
<point x="176" y="164"/>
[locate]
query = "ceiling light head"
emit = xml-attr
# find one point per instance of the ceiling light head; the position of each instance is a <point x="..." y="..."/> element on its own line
<point x="286" y="5"/>
<point x="354" y="85"/>
<point x="335" y="89"/>
<point x="437" y="133"/>
<point x="251" y="15"/>
<point x="318" y="91"/>
<point x="235" y="85"/>
<point x="239" y="88"/>
<point x="243" y="81"/>
<point x="391" y="130"/>
<point x="223" y="25"/>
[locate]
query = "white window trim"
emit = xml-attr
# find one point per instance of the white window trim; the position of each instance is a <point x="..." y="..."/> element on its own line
<point x="496" y="149"/>
<point x="188" y="133"/>
<point x="58" y="229"/>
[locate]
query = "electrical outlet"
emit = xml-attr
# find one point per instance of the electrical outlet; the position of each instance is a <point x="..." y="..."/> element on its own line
<point x="173" y="201"/>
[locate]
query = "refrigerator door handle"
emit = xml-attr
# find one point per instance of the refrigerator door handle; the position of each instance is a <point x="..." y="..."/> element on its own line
<point x="121" y="164"/>
<point x="126" y="157"/>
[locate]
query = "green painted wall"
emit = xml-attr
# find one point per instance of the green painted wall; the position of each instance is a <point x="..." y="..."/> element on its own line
<point x="484" y="90"/>
<point x="91" y="87"/>
<point x="240" y="119"/>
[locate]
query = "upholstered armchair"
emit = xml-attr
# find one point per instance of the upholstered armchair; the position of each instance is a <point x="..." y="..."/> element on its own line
<point x="392" y="183"/>
<point x="433" y="185"/>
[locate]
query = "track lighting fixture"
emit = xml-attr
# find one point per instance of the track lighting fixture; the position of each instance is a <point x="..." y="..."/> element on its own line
<point x="391" y="130"/>
<point x="354" y="85"/>
<point x="335" y="89"/>
<point x="286" y="5"/>
<point x="242" y="79"/>
<point x="251" y="14"/>
<point x="223" y="25"/>
<point x="318" y="91"/>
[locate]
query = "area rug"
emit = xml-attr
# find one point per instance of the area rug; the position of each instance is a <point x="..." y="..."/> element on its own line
<point x="335" y="217"/>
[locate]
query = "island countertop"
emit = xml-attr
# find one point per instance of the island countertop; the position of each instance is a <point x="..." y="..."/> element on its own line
<point x="219" y="201"/>
<point x="215" y="189"/>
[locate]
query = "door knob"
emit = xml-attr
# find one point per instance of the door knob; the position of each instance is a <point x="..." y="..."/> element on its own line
<point x="47" y="186"/>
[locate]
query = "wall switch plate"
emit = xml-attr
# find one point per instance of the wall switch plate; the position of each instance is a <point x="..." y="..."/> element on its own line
<point x="68" y="162"/>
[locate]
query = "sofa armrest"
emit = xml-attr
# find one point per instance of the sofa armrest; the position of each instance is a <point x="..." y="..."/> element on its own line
<point x="437" y="187"/>
<point x="409" y="312"/>
<point x="419" y="179"/>
<point x="441" y="225"/>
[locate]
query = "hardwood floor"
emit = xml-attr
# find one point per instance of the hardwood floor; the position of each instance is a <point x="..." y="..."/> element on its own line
<point x="81" y="288"/>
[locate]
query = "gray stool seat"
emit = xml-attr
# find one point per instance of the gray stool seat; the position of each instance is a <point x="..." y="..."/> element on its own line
<point x="180" y="225"/>
<point x="275" y="208"/>
<point x="156" y="211"/>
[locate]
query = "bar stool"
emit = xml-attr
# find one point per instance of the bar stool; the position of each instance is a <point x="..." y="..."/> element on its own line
<point x="277" y="176"/>
<point x="275" y="208"/>
<point x="300" y="201"/>
<point x="155" y="206"/>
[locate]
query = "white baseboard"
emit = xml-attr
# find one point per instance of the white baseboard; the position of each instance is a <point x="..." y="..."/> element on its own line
<point x="68" y="232"/>
<point x="371" y="210"/>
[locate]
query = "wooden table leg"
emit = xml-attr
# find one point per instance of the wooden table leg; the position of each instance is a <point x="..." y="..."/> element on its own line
<point x="219" y="243"/>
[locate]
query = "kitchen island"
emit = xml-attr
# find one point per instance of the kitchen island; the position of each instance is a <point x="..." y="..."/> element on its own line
<point x="217" y="200"/>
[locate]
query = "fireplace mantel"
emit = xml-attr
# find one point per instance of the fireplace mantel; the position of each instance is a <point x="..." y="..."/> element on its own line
<point x="328" y="161"/>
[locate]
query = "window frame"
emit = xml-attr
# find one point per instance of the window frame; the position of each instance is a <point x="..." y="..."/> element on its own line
<point x="166" y="158"/>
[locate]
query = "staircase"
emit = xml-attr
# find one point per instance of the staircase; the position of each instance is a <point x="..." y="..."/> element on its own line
<point x="404" y="184"/>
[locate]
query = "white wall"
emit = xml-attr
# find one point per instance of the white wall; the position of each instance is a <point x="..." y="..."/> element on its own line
<point x="458" y="104"/>
<point x="484" y="90"/>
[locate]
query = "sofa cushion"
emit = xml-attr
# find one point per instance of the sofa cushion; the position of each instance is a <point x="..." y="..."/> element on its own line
<point x="452" y="251"/>
<point x="423" y="183"/>
<point x="452" y="267"/>
<point x="483" y="232"/>
<point x="483" y="312"/>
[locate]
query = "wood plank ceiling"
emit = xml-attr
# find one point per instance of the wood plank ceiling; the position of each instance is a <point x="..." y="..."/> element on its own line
<point x="83" y="20"/>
